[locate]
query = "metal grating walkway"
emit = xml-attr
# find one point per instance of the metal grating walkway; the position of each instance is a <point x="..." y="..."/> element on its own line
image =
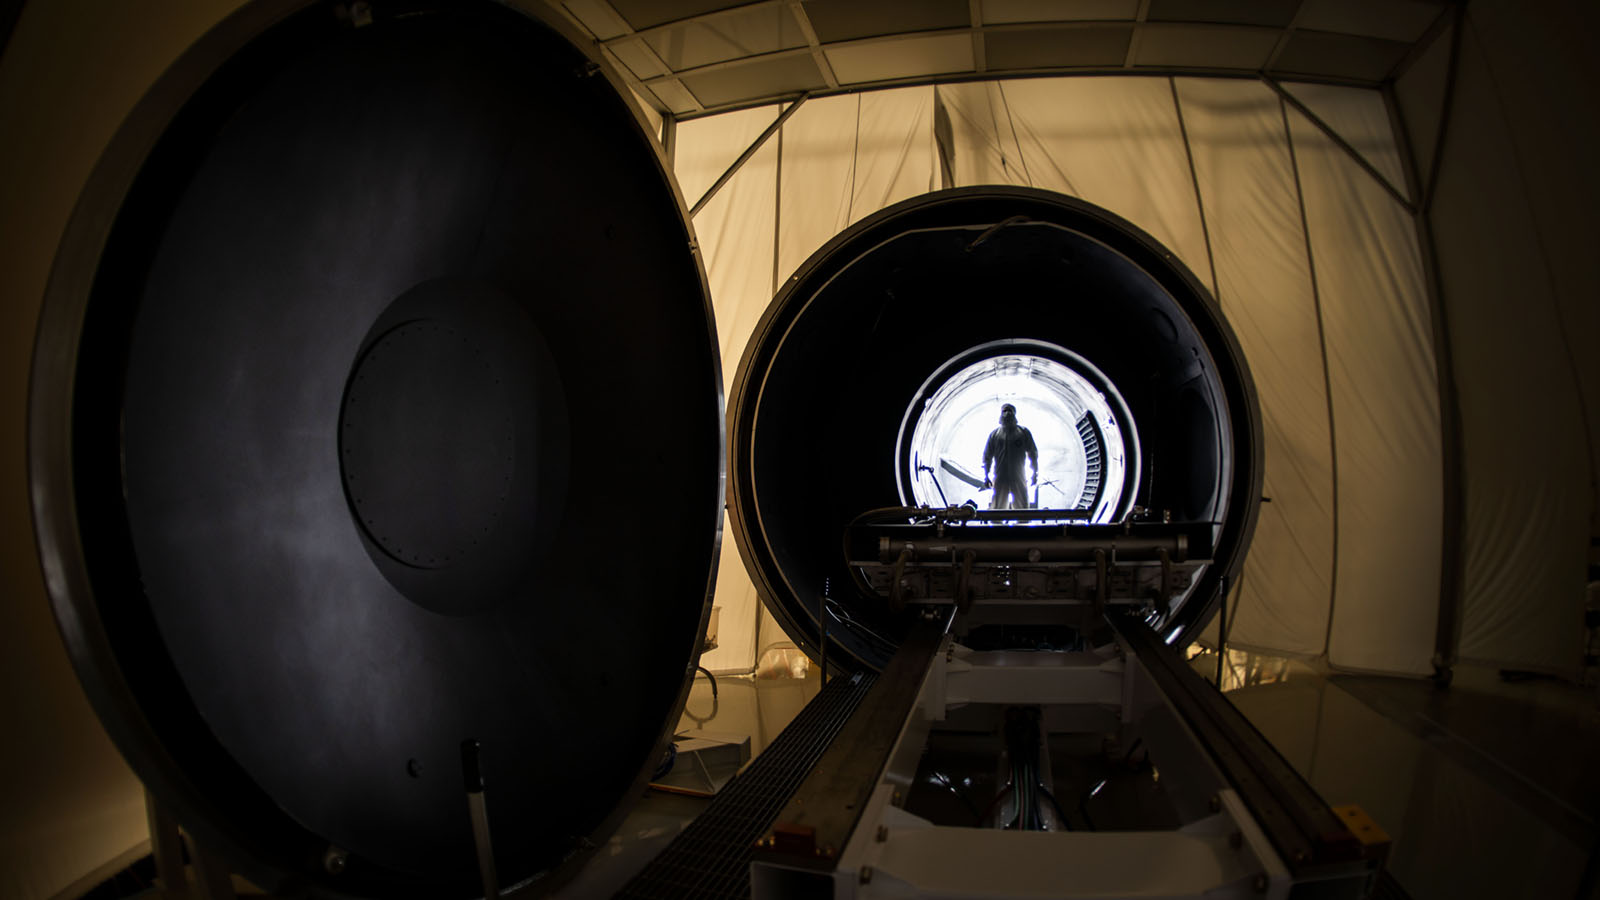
<point x="711" y="858"/>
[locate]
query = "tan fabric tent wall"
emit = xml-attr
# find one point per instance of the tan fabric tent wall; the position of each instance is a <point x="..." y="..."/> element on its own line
<point x="1293" y="203"/>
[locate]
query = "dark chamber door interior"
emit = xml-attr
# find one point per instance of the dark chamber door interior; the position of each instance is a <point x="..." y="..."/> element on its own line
<point x="396" y="424"/>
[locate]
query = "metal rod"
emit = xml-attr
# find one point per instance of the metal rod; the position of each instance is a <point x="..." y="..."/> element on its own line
<point x="472" y="775"/>
<point x="166" y="847"/>
<point x="1446" y="633"/>
<point x="744" y="157"/>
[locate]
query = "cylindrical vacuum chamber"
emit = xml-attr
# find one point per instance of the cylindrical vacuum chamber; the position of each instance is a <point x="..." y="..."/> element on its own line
<point x="376" y="408"/>
<point x="876" y="374"/>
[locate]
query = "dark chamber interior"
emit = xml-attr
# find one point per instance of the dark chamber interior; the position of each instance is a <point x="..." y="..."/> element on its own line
<point x="849" y="342"/>
<point x="353" y="450"/>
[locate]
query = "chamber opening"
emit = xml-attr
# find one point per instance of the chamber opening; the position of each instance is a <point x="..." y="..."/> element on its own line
<point x="865" y="398"/>
<point x="1084" y="442"/>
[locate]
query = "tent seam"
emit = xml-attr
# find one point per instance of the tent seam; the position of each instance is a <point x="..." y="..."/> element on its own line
<point x="855" y="154"/>
<point x="1022" y="156"/>
<point x="1447" y="627"/>
<point x="1327" y="380"/>
<point x="1194" y="179"/>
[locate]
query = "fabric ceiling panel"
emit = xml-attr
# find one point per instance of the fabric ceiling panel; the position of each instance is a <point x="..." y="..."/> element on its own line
<point x="1205" y="46"/>
<point x="1114" y="142"/>
<point x="1340" y="56"/>
<point x="744" y="32"/>
<point x="1524" y="454"/>
<point x="818" y="173"/>
<point x="1385" y="395"/>
<point x="1076" y="45"/>
<point x="1394" y="20"/>
<point x="981" y="143"/>
<point x="637" y="58"/>
<point x="1276" y="13"/>
<point x="642" y="14"/>
<point x="894" y="149"/>
<point x="911" y="57"/>
<point x="1360" y="117"/>
<point x="598" y="17"/>
<point x="999" y="12"/>
<point x="1247" y="184"/>
<point x="735" y="232"/>
<point x="847" y="20"/>
<point x="767" y="76"/>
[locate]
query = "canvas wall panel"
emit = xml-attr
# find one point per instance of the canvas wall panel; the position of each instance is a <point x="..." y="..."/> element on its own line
<point x="816" y="190"/>
<point x="1246" y="178"/>
<point x="975" y="132"/>
<point x="894" y="157"/>
<point x="1388" y="463"/>
<point x="1524" y="455"/>
<point x="1546" y="75"/>
<point x="1114" y="142"/>
<point x="1361" y="118"/>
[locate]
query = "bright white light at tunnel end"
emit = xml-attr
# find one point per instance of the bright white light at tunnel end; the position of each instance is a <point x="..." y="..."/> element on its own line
<point x="946" y="449"/>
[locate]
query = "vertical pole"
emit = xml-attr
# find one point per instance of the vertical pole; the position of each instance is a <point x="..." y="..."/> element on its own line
<point x="1447" y="632"/>
<point x="1222" y="632"/>
<point x="472" y="775"/>
<point x="166" y="847"/>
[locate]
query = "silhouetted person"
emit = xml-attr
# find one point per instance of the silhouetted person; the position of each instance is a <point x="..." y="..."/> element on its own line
<point x="1005" y="450"/>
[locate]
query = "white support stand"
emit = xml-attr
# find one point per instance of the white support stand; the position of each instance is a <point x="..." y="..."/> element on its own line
<point x="1222" y="852"/>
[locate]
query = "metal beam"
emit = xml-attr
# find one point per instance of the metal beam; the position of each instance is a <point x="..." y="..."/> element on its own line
<point x="798" y="10"/>
<point x="707" y="18"/>
<point x="1340" y="142"/>
<point x="1447" y="630"/>
<point x="1014" y="75"/>
<point x="1138" y="34"/>
<point x="1327" y="377"/>
<point x="1283" y="39"/>
<point x="980" y="61"/>
<point x="1420" y="46"/>
<point x="744" y="157"/>
<point x="1426" y="200"/>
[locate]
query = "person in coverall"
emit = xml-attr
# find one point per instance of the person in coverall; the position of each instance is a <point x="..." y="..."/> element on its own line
<point x="1005" y="450"/>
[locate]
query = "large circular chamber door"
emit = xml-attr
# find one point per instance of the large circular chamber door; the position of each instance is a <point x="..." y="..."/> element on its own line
<point x="377" y="410"/>
<point x="879" y="369"/>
